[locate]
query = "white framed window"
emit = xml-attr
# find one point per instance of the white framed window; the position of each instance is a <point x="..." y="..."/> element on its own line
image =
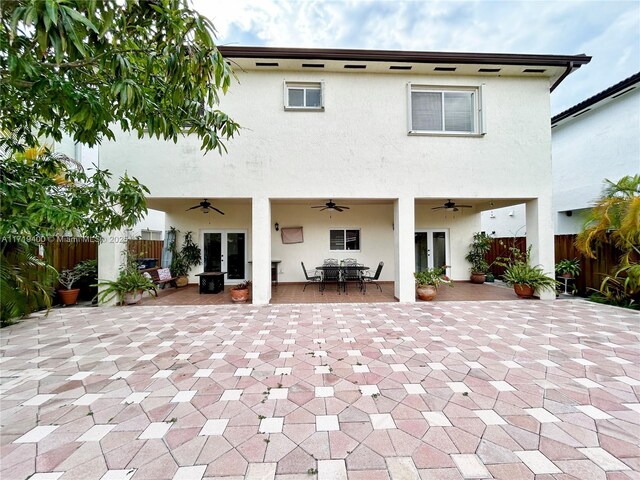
<point x="445" y="110"/>
<point x="344" y="239"/>
<point x="150" y="234"/>
<point x="304" y="96"/>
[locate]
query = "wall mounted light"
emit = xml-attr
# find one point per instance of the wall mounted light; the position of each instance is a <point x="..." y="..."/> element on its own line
<point x="277" y="226"/>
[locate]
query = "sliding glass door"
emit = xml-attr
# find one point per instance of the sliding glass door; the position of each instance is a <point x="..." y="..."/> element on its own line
<point x="225" y="251"/>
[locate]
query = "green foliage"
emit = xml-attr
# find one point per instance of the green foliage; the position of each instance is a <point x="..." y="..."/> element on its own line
<point x="242" y="286"/>
<point x="522" y="272"/>
<point x="83" y="66"/>
<point x="129" y="280"/>
<point x="477" y="250"/>
<point x="26" y="281"/>
<point x="187" y="257"/>
<point x="43" y="196"/>
<point x="85" y="269"/>
<point x="190" y="252"/>
<point x="432" y="276"/>
<point x="568" y="266"/>
<point x="615" y="220"/>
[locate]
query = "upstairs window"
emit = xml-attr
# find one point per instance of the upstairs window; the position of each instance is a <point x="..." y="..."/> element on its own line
<point x="344" y="239"/>
<point x="445" y="111"/>
<point x="303" y="96"/>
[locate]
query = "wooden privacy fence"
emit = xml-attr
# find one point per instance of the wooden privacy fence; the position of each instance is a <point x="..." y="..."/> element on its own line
<point x="66" y="252"/>
<point x="592" y="270"/>
<point x="146" y="249"/>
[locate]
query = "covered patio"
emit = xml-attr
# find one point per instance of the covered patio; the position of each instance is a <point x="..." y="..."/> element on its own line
<point x="292" y="293"/>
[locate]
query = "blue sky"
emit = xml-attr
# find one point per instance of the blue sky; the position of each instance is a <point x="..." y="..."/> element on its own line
<point x="608" y="30"/>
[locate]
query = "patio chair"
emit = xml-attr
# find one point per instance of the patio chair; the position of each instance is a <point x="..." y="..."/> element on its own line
<point x="311" y="279"/>
<point x="372" y="279"/>
<point x="350" y="261"/>
<point x="351" y="274"/>
<point x="331" y="273"/>
<point x="331" y="261"/>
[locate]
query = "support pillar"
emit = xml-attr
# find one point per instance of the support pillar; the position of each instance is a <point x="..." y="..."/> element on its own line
<point x="111" y="258"/>
<point x="540" y="235"/>
<point x="261" y="250"/>
<point x="404" y="248"/>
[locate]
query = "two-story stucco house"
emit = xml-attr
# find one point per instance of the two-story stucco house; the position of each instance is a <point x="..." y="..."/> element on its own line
<point x="593" y="140"/>
<point x="390" y="134"/>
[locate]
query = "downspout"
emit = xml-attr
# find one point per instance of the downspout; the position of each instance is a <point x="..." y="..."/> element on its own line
<point x="563" y="76"/>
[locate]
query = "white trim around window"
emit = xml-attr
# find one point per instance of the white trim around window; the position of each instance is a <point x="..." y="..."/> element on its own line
<point x="345" y="241"/>
<point x="304" y="96"/>
<point x="445" y="110"/>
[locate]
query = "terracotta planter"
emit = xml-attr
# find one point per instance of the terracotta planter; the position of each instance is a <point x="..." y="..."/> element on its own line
<point x="566" y="275"/>
<point x="69" y="297"/>
<point x="523" y="291"/>
<point x="182" y="281"/>
<point x="131" y="298"/>
<point x="240" y="296"/>
<point x="426" y="292"/>
<point x="477" y="278"/>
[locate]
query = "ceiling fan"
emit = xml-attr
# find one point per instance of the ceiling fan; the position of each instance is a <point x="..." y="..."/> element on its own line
<point x="331" y="206"/>
<point x="205" y="205"/>
<point x="451" y="206"/>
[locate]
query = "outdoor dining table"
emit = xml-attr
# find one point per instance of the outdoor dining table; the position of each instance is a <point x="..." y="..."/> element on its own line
<point x="339" y="274"/>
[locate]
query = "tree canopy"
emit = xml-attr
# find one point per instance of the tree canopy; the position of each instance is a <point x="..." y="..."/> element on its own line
<point x="81" y="66"/>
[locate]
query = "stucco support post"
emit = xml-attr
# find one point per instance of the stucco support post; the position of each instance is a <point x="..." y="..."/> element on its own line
<point x="404" y="248"/>
<point x="540" y="235"/>
<point x="110" y="257"/>
<point x="261" y="250"/>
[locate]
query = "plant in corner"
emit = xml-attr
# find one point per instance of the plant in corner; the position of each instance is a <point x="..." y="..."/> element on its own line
<point x="129" y="287"/>
<point x="240" y="292"/>
<point x="68" y="277"/>
<point x="428" y="281"/>
<point x="568" y="268"/>
<point x="477" y="250"/>
<point x="526" y="278"/>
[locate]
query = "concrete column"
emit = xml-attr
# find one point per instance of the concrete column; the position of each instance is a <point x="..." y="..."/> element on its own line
<point x="404" y="248"/>
<point x="261" y="250"/>
<point x="111" y="257"/>
<point x="540" y="236"/>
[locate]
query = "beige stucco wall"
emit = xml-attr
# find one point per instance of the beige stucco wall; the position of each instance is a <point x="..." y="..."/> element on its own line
<point x="357" y="148"/>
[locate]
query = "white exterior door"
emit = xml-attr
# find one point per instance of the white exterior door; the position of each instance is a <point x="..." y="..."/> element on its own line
<point x="225" y="251"/>
<point x="432" y="249"/>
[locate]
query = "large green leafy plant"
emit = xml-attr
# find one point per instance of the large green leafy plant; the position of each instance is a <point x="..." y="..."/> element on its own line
<point x="81" y="68"/>
<point x="477" y="250"/>
<point x="615" y="220"/>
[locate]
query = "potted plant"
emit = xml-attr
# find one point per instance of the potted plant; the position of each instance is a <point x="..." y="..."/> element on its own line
<point x="526" y="278"/>
<point x="240" y="292"/>
<point x="428" y="281"/>
<point x="568" y="268"/>
<point x="130" y="285"/>
<point x="184" y="259"/>
<point x="477" y="250"/>
<point x="69" y="277"/>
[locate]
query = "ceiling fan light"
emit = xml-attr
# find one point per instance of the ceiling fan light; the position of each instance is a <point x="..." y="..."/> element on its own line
<point x="205" y="210"/>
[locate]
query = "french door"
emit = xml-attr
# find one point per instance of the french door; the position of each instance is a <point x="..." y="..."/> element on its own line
<point x="225" y="251"/>
<point x="432" y="249"/>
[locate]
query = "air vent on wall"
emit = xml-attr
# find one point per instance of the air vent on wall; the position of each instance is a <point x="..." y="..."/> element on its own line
<point x="533" y="70"/>
<point x="313" y="65"/>
<point x="355" y="66"/>
<point x="266" y="64"/>
<point x="489" y="70"/>
<point x="400" y="67"/>
<point x="444" y="69"/>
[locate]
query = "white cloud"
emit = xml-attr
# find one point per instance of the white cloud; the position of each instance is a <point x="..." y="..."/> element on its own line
<point x="608" y="30"/>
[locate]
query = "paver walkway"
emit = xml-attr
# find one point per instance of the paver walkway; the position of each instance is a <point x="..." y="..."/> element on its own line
<point x="508" y="390"/>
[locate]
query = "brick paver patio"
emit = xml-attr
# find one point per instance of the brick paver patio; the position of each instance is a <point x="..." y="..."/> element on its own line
<point x="508" y="390"/>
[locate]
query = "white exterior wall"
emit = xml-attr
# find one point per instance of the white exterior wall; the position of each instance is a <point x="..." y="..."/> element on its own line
<point x="357" y="149"/>
<point x="602" y="143"/>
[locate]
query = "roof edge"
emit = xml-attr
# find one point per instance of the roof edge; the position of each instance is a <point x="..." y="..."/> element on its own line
<point x="598" y="97"/>
<point x="404" y="56"/>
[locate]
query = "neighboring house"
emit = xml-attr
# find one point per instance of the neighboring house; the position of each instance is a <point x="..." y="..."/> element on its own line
<point x="152" y="227"/>
<point x="593" y="140"/>
<point x="390" y="134"/>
